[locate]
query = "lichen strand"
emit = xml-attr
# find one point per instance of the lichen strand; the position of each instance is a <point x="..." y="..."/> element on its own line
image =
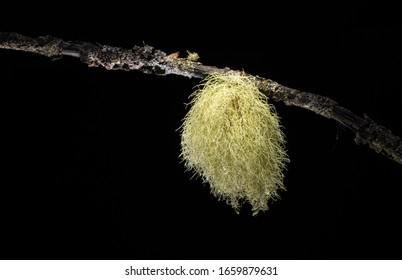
<point x="231" y="138"/>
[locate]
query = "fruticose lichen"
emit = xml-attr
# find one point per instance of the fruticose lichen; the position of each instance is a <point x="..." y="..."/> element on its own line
<point x="192" y="56"/>
<point x="232" y="138"/>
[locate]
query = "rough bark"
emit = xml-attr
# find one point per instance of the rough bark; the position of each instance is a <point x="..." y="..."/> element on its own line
<point x="151" y="61"/>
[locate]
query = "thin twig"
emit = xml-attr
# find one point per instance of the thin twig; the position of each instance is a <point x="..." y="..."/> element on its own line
<point x="152" y="61"/>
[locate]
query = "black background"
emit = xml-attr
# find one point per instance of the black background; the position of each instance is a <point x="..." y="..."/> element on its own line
<point x="90" y="157"/>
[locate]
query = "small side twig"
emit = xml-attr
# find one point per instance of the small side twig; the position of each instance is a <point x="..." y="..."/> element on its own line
<point x="151" y="61"/>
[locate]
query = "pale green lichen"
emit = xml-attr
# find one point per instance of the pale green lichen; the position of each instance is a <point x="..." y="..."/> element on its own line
<point x="232" y="138"/>
<point x="192" y="56"/>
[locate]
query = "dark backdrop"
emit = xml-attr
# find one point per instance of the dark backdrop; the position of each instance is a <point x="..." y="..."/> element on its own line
<point x="90" y="157"/>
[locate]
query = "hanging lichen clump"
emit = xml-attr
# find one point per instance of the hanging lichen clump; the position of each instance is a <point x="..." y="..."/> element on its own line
<point x="231" y="138"/>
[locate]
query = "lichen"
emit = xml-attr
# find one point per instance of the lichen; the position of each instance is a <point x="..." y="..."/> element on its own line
<point x="192" y="56"/>
<point x="231" y="137"/>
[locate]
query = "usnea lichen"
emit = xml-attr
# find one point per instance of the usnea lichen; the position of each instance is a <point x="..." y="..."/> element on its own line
<point x="231" y="138"/>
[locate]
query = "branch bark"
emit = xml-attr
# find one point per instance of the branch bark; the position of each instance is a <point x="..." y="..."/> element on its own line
<point x="151" y="61"/>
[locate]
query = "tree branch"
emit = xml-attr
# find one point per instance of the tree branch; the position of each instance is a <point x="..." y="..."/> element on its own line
<point x="151" y="61"/>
